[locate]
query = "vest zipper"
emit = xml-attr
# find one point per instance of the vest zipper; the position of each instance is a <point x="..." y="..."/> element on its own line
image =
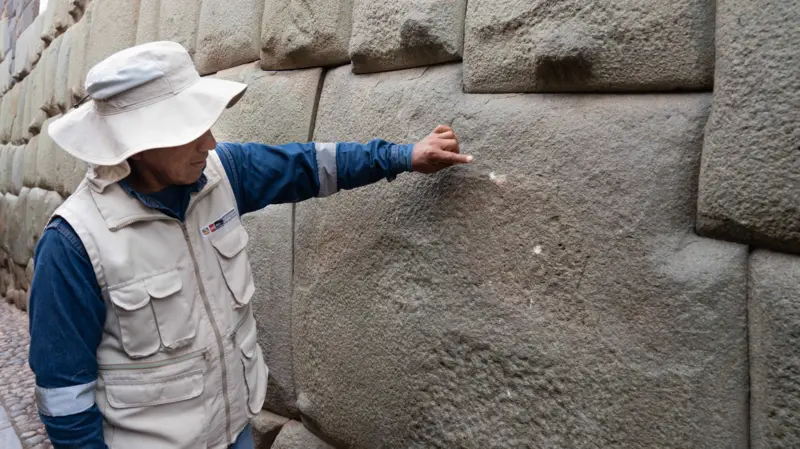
<point x="210" y="313"/>
<point x="148" y="365"/>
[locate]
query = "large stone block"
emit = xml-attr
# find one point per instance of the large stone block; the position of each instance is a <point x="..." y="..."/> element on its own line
<point x="6" y="221"/>
<point x="4" y="46"/>
<point x="405" y="33"/>
<point x="270" y="252"/>
<point x="77" y="57"/>
<point x="774" y="317"/>
<point x="78" y="8"/>
<point x="28" y="49"/>
<point x="57" y="170"/>
<point x="228" y="35"/>
<point x="17" y="168"/>
<point x="9" y="36"/>
<point x="266" y="427"/>
<point x="62" y="19"/>
<point x="551" y="294"/>
<point x="147" y="24"/>
<point x="294" y="436"/>
<point x="61" y="95"/>
<point x="29" y="163"/>
<point x="178" y="21"/>
<point x="750" y="176"/>
<point x="8" y="112"/>
<point x="7" y="164"/>
<point x="299" y="33"/>
<point x="50" y="58"/>
<point x="594" y="45"/>
<point x="18" y="233"/>
<point x="49" y="31"/>
<point x="6" y="80"/>
<point x="19" y="117"/>
<point x="41" y="205"/>
<point x="47" y="164"/>
<point x="277" y="108"/>
<point x="113" y="29"/>
<point x="35" y="115"/>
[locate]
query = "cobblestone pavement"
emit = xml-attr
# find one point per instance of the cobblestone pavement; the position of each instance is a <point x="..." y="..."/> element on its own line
<point x="16" y="379"/>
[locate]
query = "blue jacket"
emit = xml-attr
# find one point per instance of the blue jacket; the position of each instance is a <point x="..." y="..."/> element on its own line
<point x="66" y="309"/>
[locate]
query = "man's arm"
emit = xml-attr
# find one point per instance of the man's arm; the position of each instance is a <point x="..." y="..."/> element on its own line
<point x="265" y="174"/>
<point x="66" y="314"/>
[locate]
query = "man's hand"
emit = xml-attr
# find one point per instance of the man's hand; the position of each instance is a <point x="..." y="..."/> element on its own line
<point x="437" y="151"/>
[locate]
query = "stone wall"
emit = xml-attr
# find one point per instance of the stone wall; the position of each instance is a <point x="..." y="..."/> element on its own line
<point x="619" y="268"/>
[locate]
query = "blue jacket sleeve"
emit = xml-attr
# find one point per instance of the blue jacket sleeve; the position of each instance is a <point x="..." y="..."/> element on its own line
<point x="264" y="174"/>
<point x="66" y="314"/>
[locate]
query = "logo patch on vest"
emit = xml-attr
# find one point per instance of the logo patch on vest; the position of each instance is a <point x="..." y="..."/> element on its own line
<point x="214" y="227"/>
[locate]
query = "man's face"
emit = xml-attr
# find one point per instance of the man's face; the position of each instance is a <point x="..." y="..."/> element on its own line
<point x="181" y="165"/>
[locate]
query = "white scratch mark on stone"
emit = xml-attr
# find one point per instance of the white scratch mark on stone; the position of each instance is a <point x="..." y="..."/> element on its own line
<point x="497" y="179"/>
<point x="537" y="249"/>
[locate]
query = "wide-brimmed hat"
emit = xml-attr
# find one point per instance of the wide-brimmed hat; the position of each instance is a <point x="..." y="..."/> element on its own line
<point x="144" y="97"/>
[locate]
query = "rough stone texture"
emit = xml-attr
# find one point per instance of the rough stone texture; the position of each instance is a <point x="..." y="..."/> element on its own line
<point x="61" y="16"/>
<point x="48" y="32"/>
<point x="18" y="236"/>
<point x="750" y="177"/>
<point x="57" y="170"/>
<point x="254" y="117"/>
<point x="19" y="117"/>
<point x="774" y="317"/>
<point x="40" y="206"/>
<point x="178" y="21"/>
<point x="595" y="45"/>
<point x="8" y="113"/>
<point x="405" y="33"/>
<point x="46" y="163"/>
<point x="77" y="58"/>
<point x="9" y="206"/>
<point x="29" y="162"/>
<point x="300" y="33"/>
<point x="17" y="168"/>
<point x="271" y="259"/>
<point x="50" y="57"/>
<point x="6" y="159"/>
<point x="62" y="95"/>
<point x="294" y="436"/>
<point x="6" y="80"/>
<point x="228" y="35"/>
<point x="35" y="100"/>
<point x="28" y="49"/>
<point x="113" y="29"/>
<point x="147" y="24"/>
<point x="552" y="294"/>
<point x="266" y="426"/>
<point x="5" y="46"/>
<point x="78" y="8"/>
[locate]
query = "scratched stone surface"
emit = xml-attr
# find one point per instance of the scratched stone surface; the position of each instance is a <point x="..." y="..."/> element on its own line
<point x="566" y="305"/>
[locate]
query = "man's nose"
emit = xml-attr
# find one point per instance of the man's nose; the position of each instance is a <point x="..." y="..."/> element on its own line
<point x="209" y="142"/>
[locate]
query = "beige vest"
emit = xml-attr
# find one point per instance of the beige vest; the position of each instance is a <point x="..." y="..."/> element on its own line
<point x="179" y="363"/>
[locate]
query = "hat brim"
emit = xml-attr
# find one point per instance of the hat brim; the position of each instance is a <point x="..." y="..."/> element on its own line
<point x="109" y="139"/>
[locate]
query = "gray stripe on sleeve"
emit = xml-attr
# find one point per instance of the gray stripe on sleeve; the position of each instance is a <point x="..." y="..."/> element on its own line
<point x="65" y="401"/>
<point x="326" y="163"/>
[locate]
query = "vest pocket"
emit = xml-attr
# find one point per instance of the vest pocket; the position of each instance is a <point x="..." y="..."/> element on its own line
<point x="235" y="264"/>
<point x="253" y="366"/>
<point x="153" y="312"/>
<point x="156" y="405"/>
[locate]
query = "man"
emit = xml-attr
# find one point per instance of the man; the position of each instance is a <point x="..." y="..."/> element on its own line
<point x="142" y="334"/>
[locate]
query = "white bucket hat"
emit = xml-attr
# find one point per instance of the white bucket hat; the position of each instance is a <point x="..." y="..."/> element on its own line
<point x="147" y="96"/>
